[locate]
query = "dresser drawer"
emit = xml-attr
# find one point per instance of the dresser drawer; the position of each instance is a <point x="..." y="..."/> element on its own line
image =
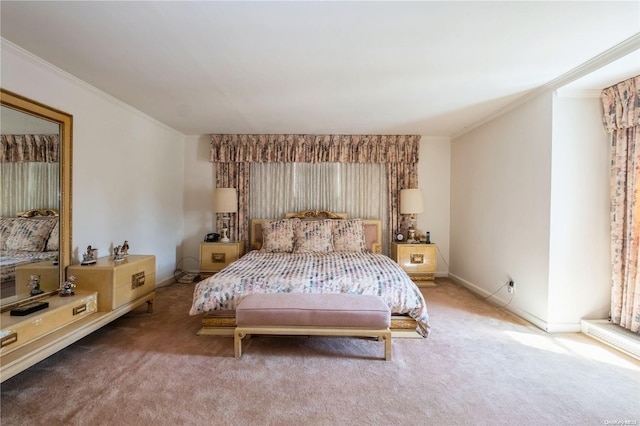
<point x="133" y="282"/>
<point x="216" y="256"/>
<point x="20" y="330"/>
<point x="117" y="283"/>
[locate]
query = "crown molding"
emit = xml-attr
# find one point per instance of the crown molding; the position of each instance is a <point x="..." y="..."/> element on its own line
<point x="616" y="52"/>
<point x="6" y="45"/>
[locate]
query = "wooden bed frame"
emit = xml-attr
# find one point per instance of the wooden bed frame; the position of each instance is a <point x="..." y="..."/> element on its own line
<point x="224" y="323"/>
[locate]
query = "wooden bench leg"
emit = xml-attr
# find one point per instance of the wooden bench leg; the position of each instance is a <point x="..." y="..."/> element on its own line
<point x="246" y="331"/>
<point x="237" y="343"/>
<point x="387" y="346"/>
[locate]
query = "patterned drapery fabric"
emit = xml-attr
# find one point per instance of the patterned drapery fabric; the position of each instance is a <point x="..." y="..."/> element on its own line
<point x="314" y="149"/>
<point x="233" y="153"/>
<point x="29" y="148"/>
<point x="621" y="119"/>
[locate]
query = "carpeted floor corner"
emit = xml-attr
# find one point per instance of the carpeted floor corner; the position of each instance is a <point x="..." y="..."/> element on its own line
<point x="481" y="365"/>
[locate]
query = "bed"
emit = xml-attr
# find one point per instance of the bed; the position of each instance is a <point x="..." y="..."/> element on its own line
<point x="28" y="238"/>
<point x="312" y="252"/>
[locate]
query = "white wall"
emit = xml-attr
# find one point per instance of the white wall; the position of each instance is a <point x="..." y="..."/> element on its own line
<point x="128" y="169"/>
<point x="199" y="182"/>
<point x="579" y="269"/>
<point x="500" y="200"/>
<point x="434" y="180"/>
<point x="529" y="201"/>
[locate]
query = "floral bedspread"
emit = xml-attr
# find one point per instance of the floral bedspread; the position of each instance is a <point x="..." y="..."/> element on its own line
<point x="353" y="273"/>
<point x="9" y="260"/>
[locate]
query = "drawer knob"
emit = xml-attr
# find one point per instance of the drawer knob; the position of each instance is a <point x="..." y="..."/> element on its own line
<point x="218" y="257"/>
<point x="417" y="258"/>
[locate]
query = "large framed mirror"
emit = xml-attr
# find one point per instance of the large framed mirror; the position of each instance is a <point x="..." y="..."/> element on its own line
<point x="35" y="199"/>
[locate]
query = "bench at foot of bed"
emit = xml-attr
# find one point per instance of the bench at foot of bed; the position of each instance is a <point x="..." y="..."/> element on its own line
<point x="340" y="315"/>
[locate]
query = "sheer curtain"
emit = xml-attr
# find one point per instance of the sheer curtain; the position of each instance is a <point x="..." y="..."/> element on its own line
<point x="358" y="189"/>
<point x="28" y="186"/>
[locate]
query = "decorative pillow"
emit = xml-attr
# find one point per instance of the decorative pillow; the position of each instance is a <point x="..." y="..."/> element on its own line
<point x="277" y="235"/>
<point x="6" y="225"/>
<point x="313" y="236"/>
<point x="29" y="235"/>
<point x="348" y="236"/>
<point x="53" y="242"/>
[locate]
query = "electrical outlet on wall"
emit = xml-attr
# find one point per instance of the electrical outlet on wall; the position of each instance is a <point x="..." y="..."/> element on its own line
<point x="511" y="287"/>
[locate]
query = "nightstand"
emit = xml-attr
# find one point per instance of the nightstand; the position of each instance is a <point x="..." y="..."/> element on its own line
<point x="417" y="260"/>
<point x="216" y="256"/>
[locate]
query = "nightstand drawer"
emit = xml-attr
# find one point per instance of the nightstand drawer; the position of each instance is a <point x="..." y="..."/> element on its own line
<point x="417" y="260"/>
<point x="216" y="256"/>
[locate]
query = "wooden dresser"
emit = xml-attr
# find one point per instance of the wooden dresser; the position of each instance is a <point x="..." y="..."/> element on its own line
<point x="118" y="283"/>
<point x="18" y="331"/>
<point x="46" y="270"/>
<point x="417" y="260"/>
<point x="216" y="256"/>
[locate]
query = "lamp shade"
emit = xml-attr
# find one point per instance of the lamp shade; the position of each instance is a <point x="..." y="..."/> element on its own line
<point x="225" y="200"/>
<point x="411" y="201"/>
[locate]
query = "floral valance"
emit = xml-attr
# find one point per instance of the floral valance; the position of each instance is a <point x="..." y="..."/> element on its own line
<point x="314" y="148"/>
<point x="621" y="103"/>
<point x="29" y="148"/>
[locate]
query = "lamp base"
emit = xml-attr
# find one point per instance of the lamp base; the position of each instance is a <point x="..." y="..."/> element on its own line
<point x="411" y="238"/>
<point x="225" y="236"/>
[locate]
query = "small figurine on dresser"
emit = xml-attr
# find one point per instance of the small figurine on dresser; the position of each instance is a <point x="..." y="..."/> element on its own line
<point x="125" y="248"/>
<point x="89" y="258"/>
<point x="67" y="287"/>
<point x="117" y="254"/>
<point x="34" y="283"/>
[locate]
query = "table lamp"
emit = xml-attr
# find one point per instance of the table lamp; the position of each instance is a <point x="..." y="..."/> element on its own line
<point x="411" y="204"/>
<point x="225" y="201"/>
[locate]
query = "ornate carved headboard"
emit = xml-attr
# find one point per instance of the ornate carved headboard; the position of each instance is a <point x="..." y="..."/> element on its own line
<point x="39" y="212"/>
<point x="372" y="228"/>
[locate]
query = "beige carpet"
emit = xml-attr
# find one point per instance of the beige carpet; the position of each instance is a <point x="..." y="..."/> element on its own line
<point x="480" y="366"/>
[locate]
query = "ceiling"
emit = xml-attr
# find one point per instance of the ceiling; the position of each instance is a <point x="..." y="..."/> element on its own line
<point x="429" y="68"/>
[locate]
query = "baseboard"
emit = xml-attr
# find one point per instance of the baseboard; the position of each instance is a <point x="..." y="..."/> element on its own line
<point x="166" y="282"/>
<point x="613" y="335"/>
<point x="538" y="322"/>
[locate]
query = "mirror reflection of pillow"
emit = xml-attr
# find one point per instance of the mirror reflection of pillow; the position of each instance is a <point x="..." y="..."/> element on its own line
<point x="53" y="242"/>
<point x="6" y="225"/>
<point x="30" y="234"/>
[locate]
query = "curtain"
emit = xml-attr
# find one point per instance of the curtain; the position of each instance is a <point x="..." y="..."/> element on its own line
<point x="233" y="153"/>
<point x="29" y="148"/>
<point x="28" y="186"/>
<point x="235" y="175"/>
<point x="621" y="119"/>
<point x="29" y="173"/>
<point x="353" y="188"/>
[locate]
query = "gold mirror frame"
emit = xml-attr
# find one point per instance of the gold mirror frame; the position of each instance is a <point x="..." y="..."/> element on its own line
<point x="65" y="121"/>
